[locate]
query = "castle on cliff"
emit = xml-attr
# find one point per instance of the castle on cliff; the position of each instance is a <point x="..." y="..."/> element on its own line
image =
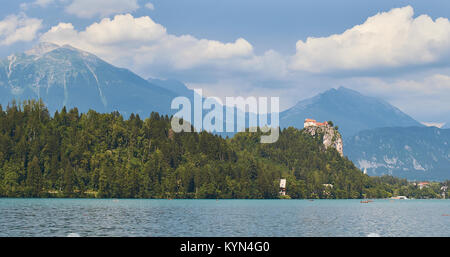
<point x="314" y="123"/>
<point x="331" y="136"/>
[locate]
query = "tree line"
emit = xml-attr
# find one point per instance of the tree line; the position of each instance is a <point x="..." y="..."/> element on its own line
<point x="72" y="154"/>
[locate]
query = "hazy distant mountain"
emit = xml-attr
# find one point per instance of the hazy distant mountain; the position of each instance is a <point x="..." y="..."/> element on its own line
<point x="180" y="89"/>
<point x="349" y="110"/>
<point x="177" y="87"/>
<point x="66" y="76"/>
<point x="415" y="152"/>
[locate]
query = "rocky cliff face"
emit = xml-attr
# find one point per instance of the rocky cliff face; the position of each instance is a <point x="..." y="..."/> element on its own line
<point x="331" y="137"/>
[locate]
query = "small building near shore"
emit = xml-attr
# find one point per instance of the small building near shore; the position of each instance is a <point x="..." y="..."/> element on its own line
<point x="422" y="185"/>
<point x="283" y="186"/>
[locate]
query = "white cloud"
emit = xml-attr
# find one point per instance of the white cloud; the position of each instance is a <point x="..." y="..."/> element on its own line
<point x="39" y="3"/>
<point x="16" y="28"/>
<point x="424" y="95"/>
<point x="103" y="8"/>
<point x="388" y="39"/>
<point x="145" y="46"/>
<point x="150" y="6"/>
<point x="43" y="3"/>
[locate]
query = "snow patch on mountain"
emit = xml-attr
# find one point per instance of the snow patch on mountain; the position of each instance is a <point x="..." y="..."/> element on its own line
<point x="417" y="165"/>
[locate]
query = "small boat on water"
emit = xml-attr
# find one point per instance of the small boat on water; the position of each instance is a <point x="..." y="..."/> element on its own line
<point x="400" y="197"/>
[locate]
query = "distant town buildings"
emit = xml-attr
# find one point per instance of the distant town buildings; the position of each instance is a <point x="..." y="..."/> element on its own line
<point x="422" y="185"/>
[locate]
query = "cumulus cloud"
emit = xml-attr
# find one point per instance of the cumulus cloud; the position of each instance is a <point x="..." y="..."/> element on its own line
<point x="393" y="39"/>
<point x="143" y="45"/>
<point x="388" y="39"/>
<point x="39" y="3"/>
<point x="424" y="95"/>
<point x="43" y="3"/>
<point x="103" y="8"/>
<point x="17" y="28"/>
<point x="385" y="40"/>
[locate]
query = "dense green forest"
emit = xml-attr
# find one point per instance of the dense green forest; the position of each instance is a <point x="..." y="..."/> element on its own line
<point x="69" y="154"/>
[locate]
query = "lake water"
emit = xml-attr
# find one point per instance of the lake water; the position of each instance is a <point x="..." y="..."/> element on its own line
<point x="109" y="217"/>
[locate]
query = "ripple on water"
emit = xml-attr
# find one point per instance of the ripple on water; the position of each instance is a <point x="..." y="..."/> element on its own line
<point x="98" y="217"/>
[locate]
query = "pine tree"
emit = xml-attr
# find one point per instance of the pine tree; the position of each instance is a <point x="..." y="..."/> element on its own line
<point x="34" y="178"/>
<point x="68" y="180"/>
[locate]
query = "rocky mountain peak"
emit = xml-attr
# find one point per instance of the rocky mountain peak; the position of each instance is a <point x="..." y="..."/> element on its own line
<point x="42" y="48"/>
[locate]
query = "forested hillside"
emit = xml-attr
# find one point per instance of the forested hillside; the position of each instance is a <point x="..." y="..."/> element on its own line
<point x="69" y="154"/>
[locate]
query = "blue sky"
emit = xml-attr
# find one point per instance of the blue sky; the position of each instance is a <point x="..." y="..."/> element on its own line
<point x="396" y="50"/>
<point x="272" y="24"/>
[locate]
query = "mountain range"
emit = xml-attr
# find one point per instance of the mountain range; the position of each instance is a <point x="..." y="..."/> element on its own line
<point x="66" y="76"/>
<point x="378" y="137"/>
<point x="349" y="110"/>
<point x="416" y="153"/>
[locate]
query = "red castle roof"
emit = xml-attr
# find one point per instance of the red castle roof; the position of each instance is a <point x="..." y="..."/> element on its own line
<point x="317" y="123"/>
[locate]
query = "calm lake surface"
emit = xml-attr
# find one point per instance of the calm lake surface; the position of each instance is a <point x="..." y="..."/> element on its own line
<point x="109" y="217"/>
